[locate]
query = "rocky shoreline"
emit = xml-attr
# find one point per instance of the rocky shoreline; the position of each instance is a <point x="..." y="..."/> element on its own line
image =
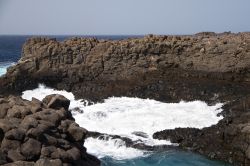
<point x="41" y="133"/>
<point x="206" y="66"/>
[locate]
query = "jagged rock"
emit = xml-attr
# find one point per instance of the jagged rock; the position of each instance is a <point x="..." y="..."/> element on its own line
<point x="40" y="137"/>
<point x="204" y="66"/>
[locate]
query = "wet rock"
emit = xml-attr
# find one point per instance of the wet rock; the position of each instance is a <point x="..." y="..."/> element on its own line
<point x="140" y="134"/>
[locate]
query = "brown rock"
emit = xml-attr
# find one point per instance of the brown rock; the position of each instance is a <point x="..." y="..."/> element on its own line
<point x="20" y="163"/>
<point x="15" y="134"/>
<point x="57" y="102"/>
<point x="3" y="110"/>
<point x="76" y="132"/>
<point x="31" y="149"/>
<point x="6" y="125"/>
<point x="47" y="162"/>
<point x="41" y="137"/>
<point x="10" y="144"/>
<point x="29" y="122"/>
<point x="15" y="155"/>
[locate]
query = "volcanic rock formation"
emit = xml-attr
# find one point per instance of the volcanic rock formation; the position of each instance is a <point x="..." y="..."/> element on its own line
<point x="206" y="66"/>
<point x="41" y="133"/>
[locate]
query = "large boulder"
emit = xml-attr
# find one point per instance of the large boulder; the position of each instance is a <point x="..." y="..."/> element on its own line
<point x="57" y="101"/>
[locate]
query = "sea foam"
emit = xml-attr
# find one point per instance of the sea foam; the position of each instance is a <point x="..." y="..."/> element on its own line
<point x="126" y="116"/>
<point x="4" y="66"/>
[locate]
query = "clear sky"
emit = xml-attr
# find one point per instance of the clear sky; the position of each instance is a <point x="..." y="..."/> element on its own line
<point x="123" y="17"/>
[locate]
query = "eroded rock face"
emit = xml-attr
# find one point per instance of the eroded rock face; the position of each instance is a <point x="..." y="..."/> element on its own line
<point x="205" y="66"/>
<point x="39" y="133"/>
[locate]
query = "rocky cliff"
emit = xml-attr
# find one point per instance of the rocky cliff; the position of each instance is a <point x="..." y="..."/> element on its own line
<point x="206" y="66"/>
<point x="35" y="133"/>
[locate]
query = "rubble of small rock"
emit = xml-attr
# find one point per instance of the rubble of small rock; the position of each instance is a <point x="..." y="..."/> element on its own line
<point x="41" y="133"/>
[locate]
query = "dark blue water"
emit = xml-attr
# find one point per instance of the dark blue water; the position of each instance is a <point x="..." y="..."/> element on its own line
<point x="10" y="51"/>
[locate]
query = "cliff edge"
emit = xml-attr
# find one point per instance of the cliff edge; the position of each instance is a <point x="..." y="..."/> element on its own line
<point x="204" y="66"/>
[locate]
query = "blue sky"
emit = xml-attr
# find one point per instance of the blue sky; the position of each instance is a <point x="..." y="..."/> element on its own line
<point x="123" y="17"/>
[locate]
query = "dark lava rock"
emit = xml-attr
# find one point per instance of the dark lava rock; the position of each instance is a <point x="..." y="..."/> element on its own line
<point x="206" y="66"/>
<point x="56" y="101"/>
<point x="39" y="138"/>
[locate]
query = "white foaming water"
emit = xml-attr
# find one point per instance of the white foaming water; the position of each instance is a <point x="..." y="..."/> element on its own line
<point x="127" y="117"/>
<point x="4" y="66"/>
<point x="115" y="148"/>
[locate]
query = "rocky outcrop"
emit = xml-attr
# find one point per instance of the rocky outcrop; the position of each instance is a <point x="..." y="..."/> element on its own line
<point x="205" y="66"/>
<point x="35" y="133"/>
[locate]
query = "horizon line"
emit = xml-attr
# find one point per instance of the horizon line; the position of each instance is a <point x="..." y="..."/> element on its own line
<point x="123" y="34"/>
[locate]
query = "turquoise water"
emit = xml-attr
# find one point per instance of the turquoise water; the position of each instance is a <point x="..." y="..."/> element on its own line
<point x="173" y="158"/>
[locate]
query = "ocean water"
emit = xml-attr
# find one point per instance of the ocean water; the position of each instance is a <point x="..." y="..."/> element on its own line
<point x="126" y="116"/>
<point x="117" y="116"/>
